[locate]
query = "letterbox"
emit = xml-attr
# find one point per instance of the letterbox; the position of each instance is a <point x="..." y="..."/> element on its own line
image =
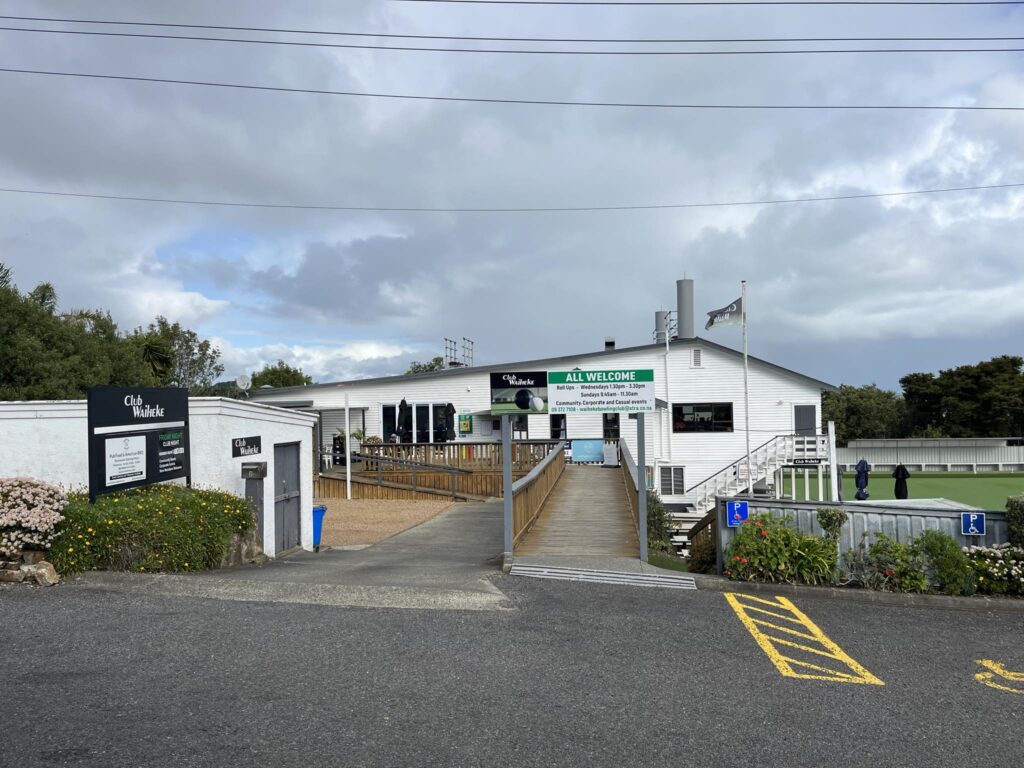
<point x="254" y="470"/>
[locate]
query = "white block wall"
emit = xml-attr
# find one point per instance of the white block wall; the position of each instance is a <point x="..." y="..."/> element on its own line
<point x="48" y="440"/>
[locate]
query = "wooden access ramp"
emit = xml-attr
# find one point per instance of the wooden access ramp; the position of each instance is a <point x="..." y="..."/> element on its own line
<point x="587" y="513"/>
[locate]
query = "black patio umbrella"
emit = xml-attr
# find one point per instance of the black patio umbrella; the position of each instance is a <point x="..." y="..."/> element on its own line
<point x="901" y="474"/>
<point x="861" y="480"/>
<point x="449" y="422"/>
<point x="404" y="425"/>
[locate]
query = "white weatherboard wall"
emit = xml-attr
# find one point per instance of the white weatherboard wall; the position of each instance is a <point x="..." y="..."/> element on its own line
<point x="719" y="378"/>
<point x="48" y="440"/>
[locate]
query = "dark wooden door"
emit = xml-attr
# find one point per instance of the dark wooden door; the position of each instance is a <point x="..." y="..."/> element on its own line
<point x="287" y="497"/>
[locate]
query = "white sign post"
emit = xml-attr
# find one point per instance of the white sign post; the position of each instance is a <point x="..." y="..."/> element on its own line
<point x="614" y="391"/>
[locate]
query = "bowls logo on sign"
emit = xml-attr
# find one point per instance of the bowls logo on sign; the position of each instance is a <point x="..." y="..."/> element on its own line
<point x="519" y="392"/>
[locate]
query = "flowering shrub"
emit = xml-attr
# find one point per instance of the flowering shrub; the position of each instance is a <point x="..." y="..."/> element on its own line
<point x="887" y="565"/>
<point x="29" y="511"/>
<point x="1000" y="569"/>
<point x="156" y="528"/>
<point x="765" y="548"/>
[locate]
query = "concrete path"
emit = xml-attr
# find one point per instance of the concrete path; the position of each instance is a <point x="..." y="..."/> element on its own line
<point x="447" y="562"/>
<point x="587" y="514"/>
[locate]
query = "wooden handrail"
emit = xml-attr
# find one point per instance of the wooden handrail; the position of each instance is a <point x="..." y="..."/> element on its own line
<point x="529" y="493"/>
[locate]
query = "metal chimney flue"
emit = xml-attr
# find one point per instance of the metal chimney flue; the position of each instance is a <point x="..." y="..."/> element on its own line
<point x="660" y="326"/>
<point x="609" y="343"/>
<point x="684" y="305"/>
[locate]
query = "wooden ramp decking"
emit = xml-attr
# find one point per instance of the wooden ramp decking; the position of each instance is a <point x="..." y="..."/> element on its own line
<point x="587" y="513"/>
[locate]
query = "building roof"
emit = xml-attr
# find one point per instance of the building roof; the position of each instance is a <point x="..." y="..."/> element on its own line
<point x="541" y="364"/>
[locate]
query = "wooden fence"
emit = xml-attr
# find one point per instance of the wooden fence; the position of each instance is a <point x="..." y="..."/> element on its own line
<point x="629" y="476"/>
<point x="530" y="492"/>
<point x="325" y="487"/>
<point x="459" y="455"/>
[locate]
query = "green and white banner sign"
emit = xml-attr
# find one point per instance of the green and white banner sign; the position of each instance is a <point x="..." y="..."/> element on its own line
<point x="615" y="391"/>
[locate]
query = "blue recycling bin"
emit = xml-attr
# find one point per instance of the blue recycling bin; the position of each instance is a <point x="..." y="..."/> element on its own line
<point x="318" y="525"/>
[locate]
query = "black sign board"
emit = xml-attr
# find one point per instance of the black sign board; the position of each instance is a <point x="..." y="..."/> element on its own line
<point x="137" y="436"/>
<point x="805" y="462"/>
<point x="519" y="392"/>
<point x="246" y="446"/>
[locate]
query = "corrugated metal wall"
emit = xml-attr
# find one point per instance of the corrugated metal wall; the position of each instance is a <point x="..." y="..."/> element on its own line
<point x="900" y="523"/>
<point x="936" y="457"/>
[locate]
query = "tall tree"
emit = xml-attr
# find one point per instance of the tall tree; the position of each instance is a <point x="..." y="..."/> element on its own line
<point x="52" y="356"/>
<point x="195" y="363"/>
<point x="280" y="375"/>
<point x="436" y="364"/>
<point x="863" y="412"/>
<point x="981" y="400"/>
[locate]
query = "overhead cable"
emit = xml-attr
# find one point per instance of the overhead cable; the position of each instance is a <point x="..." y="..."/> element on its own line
<point x="640" y="3"/>
<point x="480" y="38"/>
<point x="537" y="102"/>
<point x="530" y="51"/>
<point x="524" y="209"/>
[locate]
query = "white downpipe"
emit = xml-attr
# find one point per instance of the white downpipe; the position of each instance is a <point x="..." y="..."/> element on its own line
<point x="667" y="421"/>
<point x="833" y="476"/>
<point x="746" y="388"/>
<point x="348" y="451"/>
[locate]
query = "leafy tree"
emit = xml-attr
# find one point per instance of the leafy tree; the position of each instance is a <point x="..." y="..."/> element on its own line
<point x="863" y="412"/>
<point x="194" y="362"/>
<point x="6" y="277"/>
<point x="58" y="357"/>
<point x="922" y="393"/>
<point x="280" y="375"/>
<point x="45" y="295"/>
<point x="981" y="400"/>
<point x="436" y="364"/>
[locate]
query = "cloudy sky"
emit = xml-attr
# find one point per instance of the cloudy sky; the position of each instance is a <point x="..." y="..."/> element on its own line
<point x="851" y="292"/>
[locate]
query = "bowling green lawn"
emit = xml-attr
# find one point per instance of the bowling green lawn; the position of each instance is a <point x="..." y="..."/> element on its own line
<point x="988" y="490"/>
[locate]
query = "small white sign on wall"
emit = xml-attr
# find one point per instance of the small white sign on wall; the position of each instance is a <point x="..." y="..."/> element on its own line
<point x="125" y="459"/>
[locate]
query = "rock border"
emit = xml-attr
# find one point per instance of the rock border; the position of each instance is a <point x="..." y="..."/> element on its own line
<point x="31" y="568"/>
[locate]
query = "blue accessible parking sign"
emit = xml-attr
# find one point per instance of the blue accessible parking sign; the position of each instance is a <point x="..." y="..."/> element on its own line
<point x="736" y="513"/>
<point x="972" y="523"/>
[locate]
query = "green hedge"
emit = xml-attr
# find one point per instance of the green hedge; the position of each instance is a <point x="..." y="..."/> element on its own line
<point x="157" y="528"/>
<point x="1015" y="520"/>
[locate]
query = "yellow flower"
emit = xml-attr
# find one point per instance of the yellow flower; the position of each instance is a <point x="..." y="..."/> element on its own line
<point x="110" y="522"/>
<point x="71" y="549"/>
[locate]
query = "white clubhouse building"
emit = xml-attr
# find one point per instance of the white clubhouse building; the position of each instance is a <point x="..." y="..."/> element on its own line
<point x="696" y="431"/>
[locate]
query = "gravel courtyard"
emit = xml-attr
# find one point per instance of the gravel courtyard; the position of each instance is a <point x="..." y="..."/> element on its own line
<point x="367" y="521"/>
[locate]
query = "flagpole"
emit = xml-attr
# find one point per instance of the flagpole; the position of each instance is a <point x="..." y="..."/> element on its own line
<point x="746" y="387"/>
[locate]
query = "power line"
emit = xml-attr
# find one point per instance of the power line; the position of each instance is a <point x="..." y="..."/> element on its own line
<point x="479" y="38"/>
<point x="538" y="102"/>
<point x="534" y="51"/>
<point x="565" y="209"/>
<point x="719" y="2"/>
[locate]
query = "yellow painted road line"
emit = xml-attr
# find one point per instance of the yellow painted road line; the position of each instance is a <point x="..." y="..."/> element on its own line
<point x="995" y="669"/>
<point x="821" y="648"/>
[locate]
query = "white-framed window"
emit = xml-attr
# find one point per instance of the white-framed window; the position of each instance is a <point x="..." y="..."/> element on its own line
<point x="696" y="357"/>
<point x="424" y="423"/>
<point x="672" y="481"/>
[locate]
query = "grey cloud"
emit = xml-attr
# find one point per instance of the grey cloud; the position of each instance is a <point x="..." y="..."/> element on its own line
<point x="527" y="284"/>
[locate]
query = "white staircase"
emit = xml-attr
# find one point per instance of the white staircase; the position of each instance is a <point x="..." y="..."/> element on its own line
<point x="765" y="461"/>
